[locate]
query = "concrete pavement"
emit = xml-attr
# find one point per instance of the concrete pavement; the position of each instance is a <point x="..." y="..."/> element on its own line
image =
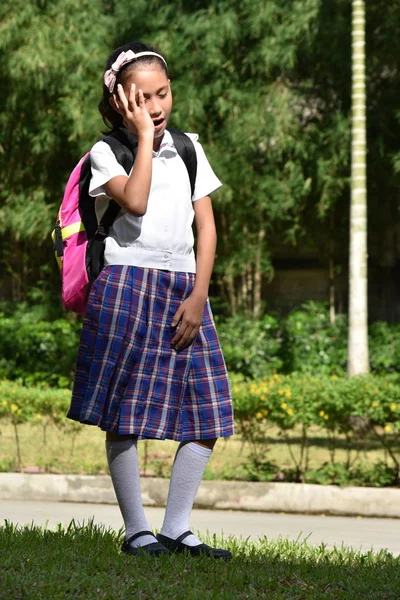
<point x="301" y="498"/>
<point x="358" y="533"/>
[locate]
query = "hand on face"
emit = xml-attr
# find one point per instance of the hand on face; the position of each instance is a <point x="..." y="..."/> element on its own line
<point x="132" y="108"/>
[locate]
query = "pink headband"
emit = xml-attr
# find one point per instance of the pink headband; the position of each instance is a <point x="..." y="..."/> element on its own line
<point x="124" y="58"/>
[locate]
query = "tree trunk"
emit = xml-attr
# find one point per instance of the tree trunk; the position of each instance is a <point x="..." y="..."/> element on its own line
<point x="228" y="278"/>
<point x="332" y="291"/>
<point x="358" y="360"/>
<point x="258" y="274"/>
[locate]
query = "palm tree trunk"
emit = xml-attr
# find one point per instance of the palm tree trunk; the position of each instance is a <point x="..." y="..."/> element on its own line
<point x="258" y="273"/>
<point x="358" y="360"/>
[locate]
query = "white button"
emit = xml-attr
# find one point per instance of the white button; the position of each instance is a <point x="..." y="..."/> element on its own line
<point x="166" y="255"/>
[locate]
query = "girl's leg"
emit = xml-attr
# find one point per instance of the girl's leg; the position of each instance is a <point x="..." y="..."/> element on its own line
<point x="124" y="469"/>
<point x="187" y="472"/>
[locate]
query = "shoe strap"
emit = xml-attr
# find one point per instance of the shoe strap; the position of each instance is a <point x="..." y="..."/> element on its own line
<point x="181" y="538"/>
<point x="139" y="534"/>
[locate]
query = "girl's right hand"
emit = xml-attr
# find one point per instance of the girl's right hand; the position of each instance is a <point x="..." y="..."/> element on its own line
<point x="133" y="111"/>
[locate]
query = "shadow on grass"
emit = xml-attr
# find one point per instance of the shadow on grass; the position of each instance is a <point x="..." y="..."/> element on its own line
<point x="83" y="561"/>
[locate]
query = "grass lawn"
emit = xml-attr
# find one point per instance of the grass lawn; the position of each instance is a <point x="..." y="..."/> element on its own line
<point x="82" y="451"/>
<point x="85" y="562"/>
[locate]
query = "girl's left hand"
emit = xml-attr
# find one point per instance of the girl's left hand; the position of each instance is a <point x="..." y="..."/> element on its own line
<point x="188" y="319"/>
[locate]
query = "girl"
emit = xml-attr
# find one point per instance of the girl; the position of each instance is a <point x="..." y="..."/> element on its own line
<point x="149" y="363"/>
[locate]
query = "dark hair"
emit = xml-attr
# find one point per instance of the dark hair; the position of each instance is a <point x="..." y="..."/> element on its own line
<point x="110" y="117"/>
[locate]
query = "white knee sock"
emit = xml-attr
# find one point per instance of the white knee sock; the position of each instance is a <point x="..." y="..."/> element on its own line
<point x="124" y="469"/>
<point x="187" y="473"/>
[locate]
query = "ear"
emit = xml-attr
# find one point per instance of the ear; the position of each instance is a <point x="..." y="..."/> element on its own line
<point x="114" y="104"/>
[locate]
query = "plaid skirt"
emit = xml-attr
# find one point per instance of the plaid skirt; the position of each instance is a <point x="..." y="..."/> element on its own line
<point x="129" y="379"/>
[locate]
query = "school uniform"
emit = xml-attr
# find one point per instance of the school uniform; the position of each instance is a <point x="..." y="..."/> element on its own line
<point x="129" y="379"/>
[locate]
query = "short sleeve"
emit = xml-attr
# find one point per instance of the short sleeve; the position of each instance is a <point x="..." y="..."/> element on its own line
<point x="206" y="180"/>
<point x="104" y="167"/>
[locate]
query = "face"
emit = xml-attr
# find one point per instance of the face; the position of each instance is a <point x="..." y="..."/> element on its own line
<point x="157" y="93"/>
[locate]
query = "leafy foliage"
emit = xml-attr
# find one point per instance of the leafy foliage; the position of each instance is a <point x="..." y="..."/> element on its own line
<point x="42" y="352"/>
<point x="354" y="408"/>
<point x="313" y="343"/>
<point x="346" y="412"/>
<point x="267" y="86"/>
<point x="251" y="346"/>
<point x="38" y="353"/>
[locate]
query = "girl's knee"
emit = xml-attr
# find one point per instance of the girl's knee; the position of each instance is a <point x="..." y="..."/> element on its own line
<point x="115" y="437"/>
<point x="205" y="443"/>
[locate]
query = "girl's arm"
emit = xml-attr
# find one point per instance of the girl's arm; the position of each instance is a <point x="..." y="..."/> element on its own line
<point x="132" y="192"/>
<point x="190" y="313"/>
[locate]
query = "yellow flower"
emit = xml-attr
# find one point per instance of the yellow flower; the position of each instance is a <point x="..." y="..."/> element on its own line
<point x="326" y="417"/>
<point x="4" y="403"/>
<point x="281" y="392"/>
<point x="284" y="405"/>
<point x="388" y="428"/>
<point x="14" y="408"/>
<point x="265" y="412"/>
<point x="393" y="406"/>
<point x="290" y="411"/>
<point x="262" y="397"/>
<point x="259" y="416"/>
<point x="375" y="404"/>
<point x="321" y="413"/>
<point x="288" y="394"/>
<point x="334" y="377"/>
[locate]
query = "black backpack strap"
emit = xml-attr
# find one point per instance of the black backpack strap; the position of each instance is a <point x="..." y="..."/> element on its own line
<point x="109" y="216"/>
<point x="186" y="150"/>
<point x="124" y="146"/>
<point x="86" y="203"/>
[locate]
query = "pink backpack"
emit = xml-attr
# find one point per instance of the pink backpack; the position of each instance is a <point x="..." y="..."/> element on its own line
<point x="78" y="237"/>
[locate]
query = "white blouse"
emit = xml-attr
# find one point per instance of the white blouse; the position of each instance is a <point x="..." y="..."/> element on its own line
<point x="163" y="237"/>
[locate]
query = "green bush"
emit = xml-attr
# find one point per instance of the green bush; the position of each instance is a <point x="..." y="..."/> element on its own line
<point x="298" y="405"/>
<point x="355" y="408"/>
<point x="251" y="346"/>
<point x="312" y="344"/>
<point x="384" y="347"/>
<point x="40" y="352"/>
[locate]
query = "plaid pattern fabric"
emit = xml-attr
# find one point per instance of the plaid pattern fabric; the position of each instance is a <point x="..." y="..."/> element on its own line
<point x="130" y="380"/>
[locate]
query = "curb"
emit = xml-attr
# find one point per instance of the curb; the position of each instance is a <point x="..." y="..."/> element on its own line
<point x="224" y="495"/>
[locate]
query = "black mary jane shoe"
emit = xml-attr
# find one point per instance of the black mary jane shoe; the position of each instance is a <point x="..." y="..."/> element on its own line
<point x="177" y="547"/>
<point x="153" y="549"/>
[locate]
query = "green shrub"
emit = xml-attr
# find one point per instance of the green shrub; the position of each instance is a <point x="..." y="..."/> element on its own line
<point x="312" y="343"/>
<point x="40" y="352"/>
<point x="384" y="347"/>
<point x="297" y="406"/>
<point x="341" y="407"/>
<point x="251" y="346"/>
<point x="377" y="475"/>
